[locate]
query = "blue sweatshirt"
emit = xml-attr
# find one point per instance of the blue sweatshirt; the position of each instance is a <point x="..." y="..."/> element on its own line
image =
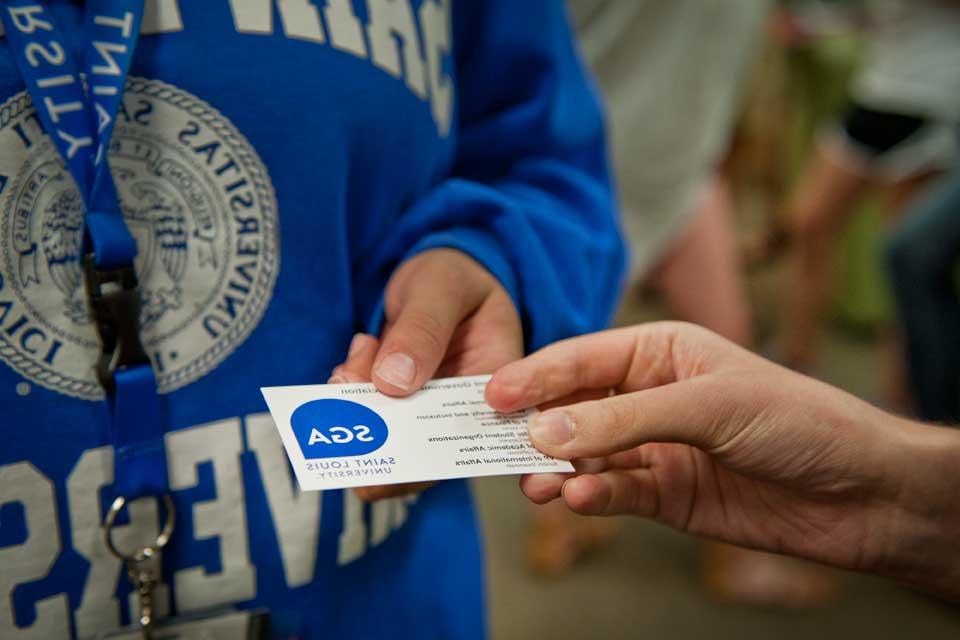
<point x="276" y="161"/>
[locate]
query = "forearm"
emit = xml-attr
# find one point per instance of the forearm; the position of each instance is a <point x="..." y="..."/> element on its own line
<point x="925" y="521"/>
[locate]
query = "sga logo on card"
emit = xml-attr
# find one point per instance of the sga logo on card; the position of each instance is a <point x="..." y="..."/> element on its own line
<point x="332" y="428"/>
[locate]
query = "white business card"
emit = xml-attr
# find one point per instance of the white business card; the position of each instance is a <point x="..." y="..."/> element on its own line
<point x="351" y="435"/>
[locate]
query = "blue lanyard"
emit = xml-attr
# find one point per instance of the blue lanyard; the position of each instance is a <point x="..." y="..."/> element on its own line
<point x="78" y="112"/>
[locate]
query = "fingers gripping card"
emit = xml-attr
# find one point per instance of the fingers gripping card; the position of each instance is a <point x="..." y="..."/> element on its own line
<point x="350" y="435"/>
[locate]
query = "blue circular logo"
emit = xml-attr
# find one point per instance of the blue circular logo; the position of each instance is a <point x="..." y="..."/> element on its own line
<point x="333" y="428"/>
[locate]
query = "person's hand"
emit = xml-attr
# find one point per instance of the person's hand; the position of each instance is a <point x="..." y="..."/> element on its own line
<point x="708" y="438"/>
<point x="445" y="316"/>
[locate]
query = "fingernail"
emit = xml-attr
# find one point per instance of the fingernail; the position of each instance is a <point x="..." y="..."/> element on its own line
<point x="397" y="369"/>
<point x="336" y="380"/>
<point x="356" y="344"/>
<point x="551" y="427"/>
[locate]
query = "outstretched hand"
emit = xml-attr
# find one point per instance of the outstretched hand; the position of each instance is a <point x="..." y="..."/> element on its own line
<point x="710" y="439"/>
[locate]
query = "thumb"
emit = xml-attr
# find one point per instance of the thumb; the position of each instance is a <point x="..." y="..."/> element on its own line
<point x="694" y="412"/>
<point x="425" y="305"/>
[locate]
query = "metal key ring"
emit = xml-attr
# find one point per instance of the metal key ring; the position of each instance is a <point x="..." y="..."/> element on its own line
<point x="162" y="539"/>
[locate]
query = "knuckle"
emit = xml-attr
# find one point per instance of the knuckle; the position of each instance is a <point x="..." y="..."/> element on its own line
<point x="617" y="413"/>
<point x="426" y="332"/>
<point x="621" y="415"/>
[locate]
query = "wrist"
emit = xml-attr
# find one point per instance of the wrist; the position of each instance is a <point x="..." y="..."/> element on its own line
<point x="925" y="522"/>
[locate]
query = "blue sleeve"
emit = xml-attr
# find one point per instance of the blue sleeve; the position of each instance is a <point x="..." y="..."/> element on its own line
<point x="530" y="194"/>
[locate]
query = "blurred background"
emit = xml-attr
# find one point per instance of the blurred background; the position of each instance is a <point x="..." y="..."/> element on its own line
<point x="788" y="179"/>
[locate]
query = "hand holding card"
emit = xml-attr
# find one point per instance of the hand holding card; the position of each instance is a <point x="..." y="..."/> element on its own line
<point x="350" y="435"/>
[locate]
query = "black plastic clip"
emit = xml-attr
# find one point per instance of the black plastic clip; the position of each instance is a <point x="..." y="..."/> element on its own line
<point x="114" y="299"/>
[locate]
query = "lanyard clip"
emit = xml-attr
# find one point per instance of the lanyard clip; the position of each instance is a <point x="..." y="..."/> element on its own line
<point x="114" y="298"/>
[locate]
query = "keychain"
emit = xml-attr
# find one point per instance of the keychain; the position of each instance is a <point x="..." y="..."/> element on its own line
<point x="143" y="565"/>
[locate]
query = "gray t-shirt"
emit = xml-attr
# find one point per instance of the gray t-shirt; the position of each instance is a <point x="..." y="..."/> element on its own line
<point x="672" y="73"/>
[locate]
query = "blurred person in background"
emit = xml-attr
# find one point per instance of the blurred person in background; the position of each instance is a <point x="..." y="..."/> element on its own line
<point x="923" y="259"/>
<point x="673" y="75"/>
<point x="897" y="133"/>
<point x="692" y="431"/>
